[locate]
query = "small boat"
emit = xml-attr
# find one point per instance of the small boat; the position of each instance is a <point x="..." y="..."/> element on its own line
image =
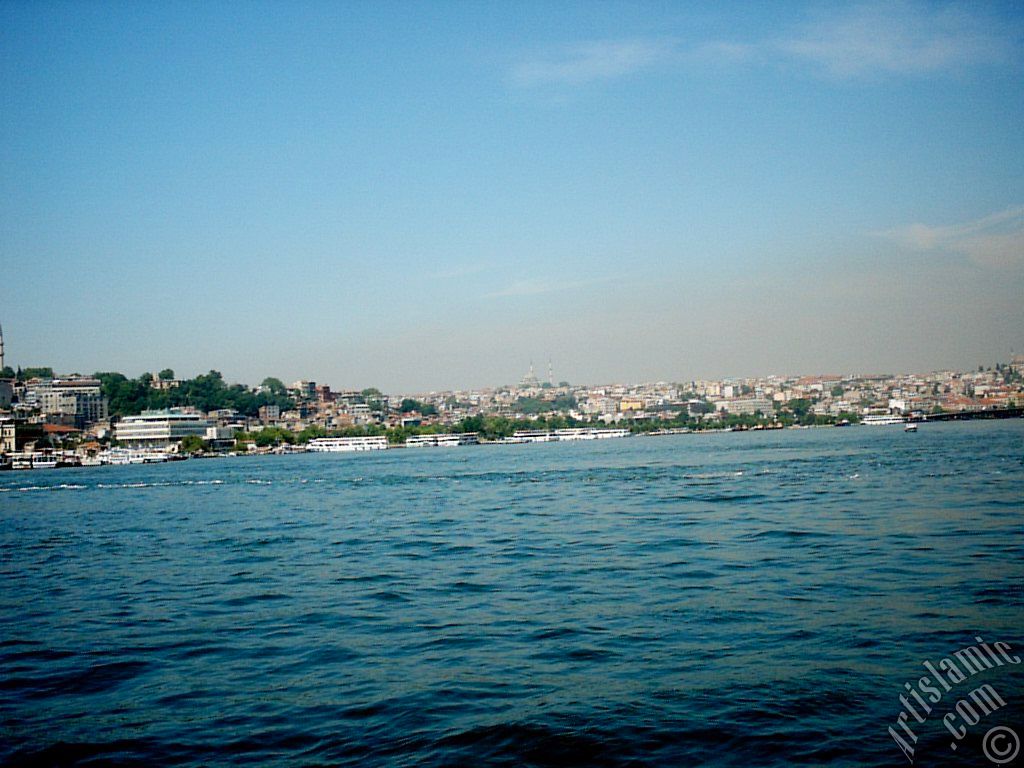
<point x="910" y="428"/>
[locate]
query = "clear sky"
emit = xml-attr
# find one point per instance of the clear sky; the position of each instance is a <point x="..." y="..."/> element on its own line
<point x="429" y="195"/>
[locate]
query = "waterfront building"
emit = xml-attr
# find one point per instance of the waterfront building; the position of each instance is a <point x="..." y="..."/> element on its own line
<point x="159" y="430"/>
<point x="79" y="399"/>
<point x="14" y="435"/>
<point x="746" y="406"/>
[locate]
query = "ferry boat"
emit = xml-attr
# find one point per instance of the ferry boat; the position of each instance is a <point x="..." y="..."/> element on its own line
<point x="531" y="436"/>
<point x="347" y="444"/>
<point x="44" y="461"/>
<point x="589" y="433"/>
<point x="559" y="435"/>
<point x="448" y="440"/>
<point x="881" y="420"/>
<point x="121" y="456"/>
<point x="912" y="427"/>
<point x="21" y="461"/>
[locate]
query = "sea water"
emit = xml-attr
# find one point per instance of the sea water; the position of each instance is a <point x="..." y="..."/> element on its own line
<point x="759" y="598"/>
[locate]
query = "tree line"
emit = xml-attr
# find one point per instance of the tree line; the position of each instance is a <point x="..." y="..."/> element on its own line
<point x="206" y="392"/>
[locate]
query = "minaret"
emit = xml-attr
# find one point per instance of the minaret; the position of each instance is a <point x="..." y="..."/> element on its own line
<point x="551" y="374"/>
<point x="1" y="347"/>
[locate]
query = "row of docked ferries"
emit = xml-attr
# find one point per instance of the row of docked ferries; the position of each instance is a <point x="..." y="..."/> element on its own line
<point x="58" y="459"/>
<point x="562" y="435"/>
<point x="380" y="442"/>
<point x="33" y="461"/>
<point x="443" y="440"/>
<point x="347" y="444"/>
<point x="454" y="439"/>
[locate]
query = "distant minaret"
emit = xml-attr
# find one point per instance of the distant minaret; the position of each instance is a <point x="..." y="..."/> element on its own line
<point x="530" y="379"/>
<point x="1" y="347"/>
<point x="551" y="373"/>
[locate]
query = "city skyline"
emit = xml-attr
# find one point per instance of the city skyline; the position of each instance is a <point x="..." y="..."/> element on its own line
<point x="532" y="378"/>
<point x="426" y="198"/>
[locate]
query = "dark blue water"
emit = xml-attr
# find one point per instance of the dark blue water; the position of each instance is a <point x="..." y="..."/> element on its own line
<point x="735" y="599"/>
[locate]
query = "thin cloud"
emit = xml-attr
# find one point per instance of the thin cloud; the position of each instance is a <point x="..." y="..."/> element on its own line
<point x="870" y="40"/>
<point x="996" y="240"/>
<point x="528" y="288"/>
<point x="863" y="41"/>
<point x="538" y="287"/>
<point x="466" y="270"/>
<point x="589" y="62"/>
<point x="899" y="38"/>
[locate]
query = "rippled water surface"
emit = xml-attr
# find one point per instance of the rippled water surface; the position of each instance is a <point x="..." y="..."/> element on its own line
<point x="734" y="599"/>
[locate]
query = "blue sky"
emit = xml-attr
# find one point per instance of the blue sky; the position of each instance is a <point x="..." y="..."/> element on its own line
<point x="424" y="196"/>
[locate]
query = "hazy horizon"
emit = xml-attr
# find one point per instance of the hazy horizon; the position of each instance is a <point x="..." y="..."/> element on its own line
<point x="429" y="197"/>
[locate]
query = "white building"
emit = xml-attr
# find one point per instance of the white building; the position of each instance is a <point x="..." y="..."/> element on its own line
<point x="159" y="429"/>
<point x="747" y="406"/>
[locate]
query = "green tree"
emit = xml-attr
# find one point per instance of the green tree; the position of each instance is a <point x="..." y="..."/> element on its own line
<point x="471" y="424"/>
<point x="409" y="405"/>
<point x="309" y="433"/>
<point x="167" y="374"/>
<point x="39" y="372"/>
<point x="272" y="436"/>
<point x="274" y="385"/>
<point x="837" y="391"/>
<point x="193" y="444"/>
<point x="799" y="407"/>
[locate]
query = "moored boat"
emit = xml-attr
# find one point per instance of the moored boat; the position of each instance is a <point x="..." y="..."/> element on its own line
<point x="882" y="420"/>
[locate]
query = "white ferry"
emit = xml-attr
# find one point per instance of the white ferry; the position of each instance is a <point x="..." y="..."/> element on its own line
<point x="449" y="440"/>
<point x="882" y="420"/>
<point x="589" y="433"/>
<point x="129" y="456"/>
<point x="32" y="461"/>
<point x="531" y="436"/>
<point x="560" y="435"/>
<point x="347" y="444"/>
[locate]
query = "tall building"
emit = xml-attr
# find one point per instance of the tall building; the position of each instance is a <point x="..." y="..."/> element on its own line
<point x="79" y="398"/>
<point x="6" y="386"/>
